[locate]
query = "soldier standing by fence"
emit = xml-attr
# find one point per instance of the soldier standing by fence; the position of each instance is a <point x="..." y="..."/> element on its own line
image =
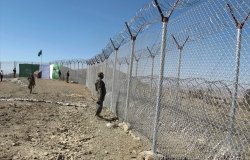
<point x="101" y="92"/>
<point x="1" y="75"/>
<point x="67" y="80"/>
<point x="59" y="74"/>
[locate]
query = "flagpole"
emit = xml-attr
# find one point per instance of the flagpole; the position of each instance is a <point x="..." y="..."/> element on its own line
<point x="41" y="63"/>
<point x="40" y="54"/>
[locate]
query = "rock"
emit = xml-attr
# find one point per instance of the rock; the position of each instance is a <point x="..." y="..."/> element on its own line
<point x="51" y="158"/>
<point x="121" y="124"/>
<point x="149" y="155"/>
<point x="52" y="137"/>
<point x="111" y="125"/>
<point x="19" y="82"/>
<point x="106" y="152"/>
<point x="137" y="138"/>
<point x="83" y="105"/>
<point x="131" y="134"/>
<point x="134" y="136"/>
<point x="15" y="157"/>
<point x="45" y="153"/>
<point x="15" y="144"/>
<point x="62" y="129"/>
<point x="134" y="151"/>
<point x="33" y="140"/>
<point x="126" y="127"/>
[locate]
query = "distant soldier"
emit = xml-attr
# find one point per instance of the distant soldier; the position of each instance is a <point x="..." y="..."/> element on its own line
<point x="59" y="73"/>
<point x="32" y="82"/>
<point x="1" y="75"/>
<point x="101" y="92"/>
<point x="67" y="80"/>
<point x="14" y="72"/>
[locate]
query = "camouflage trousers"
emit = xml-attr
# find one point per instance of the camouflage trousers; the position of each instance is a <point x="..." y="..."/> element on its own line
<point x="99" y="105"/>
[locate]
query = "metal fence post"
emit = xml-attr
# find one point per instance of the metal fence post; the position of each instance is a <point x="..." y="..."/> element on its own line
<point x="165" y="20"/>
<point x="159" y="90"/>
<point x="152" y="70"/>
<point x="78" y="71"/>
<point x="93" y="86"/>
<point x="180" y="49"/>
<point x="235" y="89"/>
<point x="106" y="69"/>
<point x="119" y="71"/>
<point x="136" y="69"/>
<point x="87" y="75"/>
<point x="74" y="70"/>
<point x="116" y="48"/>
<point x="127" y="62"/>
<point x="133" y="38"/>
<point x="129" y="77"/>
<point x="179" y="67"/>
<point x="83" y="74"/>
<point x="239" y="26"/>
<point x="113" y="82"/>
<point x="152" y="75"/>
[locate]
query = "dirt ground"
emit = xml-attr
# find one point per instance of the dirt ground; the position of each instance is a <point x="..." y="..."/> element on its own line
<point x="41" y="126"/>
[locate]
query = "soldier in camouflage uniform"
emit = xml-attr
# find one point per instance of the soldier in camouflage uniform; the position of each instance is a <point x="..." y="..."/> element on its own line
<point x="1" y="75"/>
<point x="101" y="92"/>
<point x="14" y="72"/>
<point x="32" y="82"/>
<point x="67" y="80"/>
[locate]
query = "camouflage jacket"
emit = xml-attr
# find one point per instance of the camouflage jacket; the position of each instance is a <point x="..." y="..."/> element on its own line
<point x="31" y="79"/>
<point x="100" y="89"/>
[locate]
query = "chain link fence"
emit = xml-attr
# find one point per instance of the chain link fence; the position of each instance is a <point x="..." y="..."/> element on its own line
<point x="179" y="74"/>
<point x="77" y="70"/>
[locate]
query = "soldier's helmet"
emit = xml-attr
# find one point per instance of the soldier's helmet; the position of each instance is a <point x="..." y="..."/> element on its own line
<point x="101" y="75"/>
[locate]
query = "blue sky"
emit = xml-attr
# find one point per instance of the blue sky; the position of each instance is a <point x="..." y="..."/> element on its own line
<point x="63" y="29"/>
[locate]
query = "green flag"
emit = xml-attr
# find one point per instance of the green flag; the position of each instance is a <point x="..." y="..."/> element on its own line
<point x="39" y="53"/>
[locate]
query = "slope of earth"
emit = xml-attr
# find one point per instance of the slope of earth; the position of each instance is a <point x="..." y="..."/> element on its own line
<point x="47" y="130"/>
